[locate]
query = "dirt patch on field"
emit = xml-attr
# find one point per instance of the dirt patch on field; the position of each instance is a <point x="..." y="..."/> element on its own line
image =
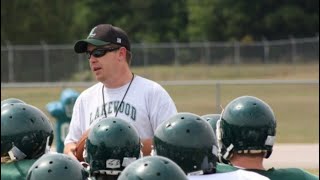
<point x="304" y="156"/>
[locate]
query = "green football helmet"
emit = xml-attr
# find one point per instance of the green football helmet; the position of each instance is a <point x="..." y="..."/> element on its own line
<point x="112" y="144"/>
<point x="11" y="101"/>
<point x="212" y="119"/>
<point x="189" y="141"/>
<point x="247" y="125"/>
<point x="57" y="166"/>
<point x="153" y="168"/>
<point x="68" y="99"/>
<point x="26" y="132"/>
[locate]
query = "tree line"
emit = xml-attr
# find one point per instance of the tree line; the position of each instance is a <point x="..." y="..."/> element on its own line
<point x="149" y="21"/>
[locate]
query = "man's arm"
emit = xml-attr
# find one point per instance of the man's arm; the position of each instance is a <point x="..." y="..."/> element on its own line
<point x="146" y="149"/>
<point x="70" y="149"/>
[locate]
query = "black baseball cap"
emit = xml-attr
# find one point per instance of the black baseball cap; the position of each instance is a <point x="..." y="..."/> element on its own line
<point x="102" y="35"/>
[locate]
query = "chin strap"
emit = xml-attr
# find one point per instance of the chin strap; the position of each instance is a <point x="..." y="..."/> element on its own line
<point x="47" y="149"/>
<point x="195" y="173"/>
<point x="228" y="150"/>
<point x="16" y="154"/>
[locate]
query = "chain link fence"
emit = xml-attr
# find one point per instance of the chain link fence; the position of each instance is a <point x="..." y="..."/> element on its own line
<point x="53" y="63"/>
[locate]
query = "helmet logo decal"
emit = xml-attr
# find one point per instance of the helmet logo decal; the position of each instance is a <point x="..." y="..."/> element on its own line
<point x="113" y="163"/>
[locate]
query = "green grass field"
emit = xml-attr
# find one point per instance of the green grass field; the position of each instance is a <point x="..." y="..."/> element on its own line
<point x="217" y="72"/>
<point x="313" y="171"/>
<point x="295" y="106"/>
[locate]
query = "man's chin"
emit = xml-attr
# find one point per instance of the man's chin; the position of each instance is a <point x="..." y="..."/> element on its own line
<point x="99" y="78"/>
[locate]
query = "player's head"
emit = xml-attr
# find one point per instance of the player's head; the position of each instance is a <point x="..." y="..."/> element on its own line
<point x="153" y="168"/>
<point x="26" y="132"/>
<point x="56" y="166"/>
<point x="112" y="144"/>
<point x="11" y="101"/>
<point x="68" y="98"/>
<point x="212" y="119"/>
<point x="189" y="141"/>
<point x="247" y="126"/>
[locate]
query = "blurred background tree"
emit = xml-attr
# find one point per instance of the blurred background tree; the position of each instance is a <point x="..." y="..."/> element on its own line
<point x="29" y="22"/>
<point x="59" y="21"/>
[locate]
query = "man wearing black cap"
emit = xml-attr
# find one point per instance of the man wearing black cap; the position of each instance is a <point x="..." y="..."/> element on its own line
<point x="119" y="92"/>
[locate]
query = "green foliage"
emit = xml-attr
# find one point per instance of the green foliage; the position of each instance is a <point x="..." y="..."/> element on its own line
<point x="25" y="22"/>
<point x="234" y="19"/>
<point x="59" y="21"/>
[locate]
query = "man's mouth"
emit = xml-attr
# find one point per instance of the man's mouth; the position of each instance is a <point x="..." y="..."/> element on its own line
<point x="96" y="68"/>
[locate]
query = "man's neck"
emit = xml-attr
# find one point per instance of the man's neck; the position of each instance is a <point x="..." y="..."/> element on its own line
<point x="118" y="80"/>
<point x="247" y="162"/>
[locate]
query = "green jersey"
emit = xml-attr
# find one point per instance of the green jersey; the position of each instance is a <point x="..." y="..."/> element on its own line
<point x="16" y="170"/>
<point x="274" y="174"/>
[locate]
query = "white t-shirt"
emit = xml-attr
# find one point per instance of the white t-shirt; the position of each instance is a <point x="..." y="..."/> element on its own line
<point x="234" y="175"/>
<point x="146" y="105"/>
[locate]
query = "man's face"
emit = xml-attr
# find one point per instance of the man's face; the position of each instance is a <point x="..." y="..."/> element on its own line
<point x="102" y="61"/>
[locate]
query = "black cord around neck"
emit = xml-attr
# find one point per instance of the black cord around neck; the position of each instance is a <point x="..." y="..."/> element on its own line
<point x="125" y="94"/>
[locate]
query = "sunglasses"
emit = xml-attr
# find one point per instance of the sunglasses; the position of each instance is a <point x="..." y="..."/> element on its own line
<point x="99" y="52"/>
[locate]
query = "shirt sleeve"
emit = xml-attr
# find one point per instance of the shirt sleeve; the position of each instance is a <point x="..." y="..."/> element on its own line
<point x="162" y="107"/>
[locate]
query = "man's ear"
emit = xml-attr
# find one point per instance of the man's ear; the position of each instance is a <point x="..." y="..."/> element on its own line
<point x="122" y="53"/>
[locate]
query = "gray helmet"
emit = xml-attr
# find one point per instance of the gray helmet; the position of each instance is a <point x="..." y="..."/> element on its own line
<point x="56" y="166"/>
<point x="189" y="141"/>
<point x="212" y="119"/>
<point x="153" y="168"/>
<point x="247" y="125"/>
<point x="11" y="101"/>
